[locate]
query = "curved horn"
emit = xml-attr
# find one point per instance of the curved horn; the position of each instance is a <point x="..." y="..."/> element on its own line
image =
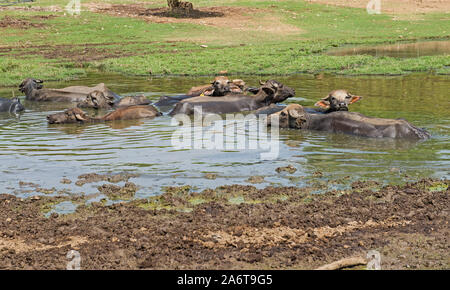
<point x="261" y="82"/>
<point x="294" y="113"/>
<point x="79" y="117"/>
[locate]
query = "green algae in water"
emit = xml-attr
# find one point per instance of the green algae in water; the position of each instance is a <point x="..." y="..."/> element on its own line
<point x="65" y="207"/>
<point x="438" y="187"/>
<point x="236" y="200"/>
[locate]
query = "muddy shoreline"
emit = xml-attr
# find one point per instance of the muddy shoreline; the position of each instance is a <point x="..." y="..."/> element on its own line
<point x="234" y="227"/>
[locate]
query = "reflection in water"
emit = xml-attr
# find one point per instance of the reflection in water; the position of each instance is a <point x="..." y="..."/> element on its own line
<point x="399" y="50"/>
<point x="33" y="151"/>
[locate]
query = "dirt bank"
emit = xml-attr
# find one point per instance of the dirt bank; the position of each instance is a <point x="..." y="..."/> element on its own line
<point x="394" y="6"/>
<point x="234" y="227"/>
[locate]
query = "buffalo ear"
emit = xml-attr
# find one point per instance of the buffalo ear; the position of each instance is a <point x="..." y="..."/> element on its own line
<point x="253" y="90"/>
<point x="268" y="98"/>
<point x="323" y="104"/>
<point x="208" y="92"/>
<point x="268" y="90"/>
<point x="355" y="99"/>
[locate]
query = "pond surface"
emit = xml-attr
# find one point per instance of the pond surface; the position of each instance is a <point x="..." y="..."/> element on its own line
<point x="32" y="151"/>
<point x="398" y="50"/>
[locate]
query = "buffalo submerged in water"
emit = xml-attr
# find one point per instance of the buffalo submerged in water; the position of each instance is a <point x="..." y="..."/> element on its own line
<point x="294" y="116"/>
<point x="101" y="100"/>
<point x="11" y="105"/>
<point x="270" y="92"/>
<point x="35" y="91"/>
<point x="337" y="100"/>
<point x="76" y="115"/>
<point x="219" y="87"/>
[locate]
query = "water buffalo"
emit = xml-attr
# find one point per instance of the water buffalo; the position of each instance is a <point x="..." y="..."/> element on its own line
<point x="294" y="116"/>
<point x="269" y="93"/>
<point x="337" y="100"/>
<point x="101" y="100"/>
<point x="219" y="87"/>
<point x="11" y="105"/>
<point x="34" y="91"/>
<point x="76" y="115"/>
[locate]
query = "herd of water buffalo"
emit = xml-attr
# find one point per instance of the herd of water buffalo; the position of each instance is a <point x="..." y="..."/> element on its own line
<point x="221" y="96"/>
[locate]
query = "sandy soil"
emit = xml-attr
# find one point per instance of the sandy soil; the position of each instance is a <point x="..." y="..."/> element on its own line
<point x="275" y="228"/>
<point x="395" y="6"/>
<point x="234" y="18"/>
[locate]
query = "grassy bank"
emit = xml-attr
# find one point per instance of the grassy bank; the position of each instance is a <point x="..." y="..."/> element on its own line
<point x="249" y="37"/>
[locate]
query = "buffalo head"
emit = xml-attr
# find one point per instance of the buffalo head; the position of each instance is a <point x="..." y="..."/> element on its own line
<point x="30" y="84"/>
<point x="337" y="100"/>
<point x="98" y="100"/>
<point x="272" y="92"/>
<point x="221" y="86"/>
<point x="16" y="106"/>
<point x="74" y="115"/>
<point x="293" y="116"/>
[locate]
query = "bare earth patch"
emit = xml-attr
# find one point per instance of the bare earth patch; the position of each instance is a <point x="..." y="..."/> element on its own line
<point x="236" y="18"/>
<point x="395" y="6"/>
<point x="263" y="237"/>
<point x="52" y="8"/>
<point x="21" y="246"/>
<point x="21" y="23"/>
<point x="407" y="224"/>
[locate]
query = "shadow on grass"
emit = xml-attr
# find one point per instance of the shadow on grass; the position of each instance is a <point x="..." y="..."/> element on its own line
<point x="194" y="14"/>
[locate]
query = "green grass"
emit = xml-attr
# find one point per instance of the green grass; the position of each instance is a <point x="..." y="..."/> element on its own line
<point x="66" y="47"/>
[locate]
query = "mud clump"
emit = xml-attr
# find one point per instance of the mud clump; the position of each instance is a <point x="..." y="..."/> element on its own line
<point x="115" y="192"/>
<point x="210" y="175"/>
<point x="113" y="178"/>
<point x="256" y="179"/>
<point x="65" y="181"/>
<point x="289" y="169"/>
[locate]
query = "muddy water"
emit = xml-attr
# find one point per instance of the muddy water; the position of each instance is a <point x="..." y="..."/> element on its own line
<point x="33" y="151"/>
<point x="398" y="50"/>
